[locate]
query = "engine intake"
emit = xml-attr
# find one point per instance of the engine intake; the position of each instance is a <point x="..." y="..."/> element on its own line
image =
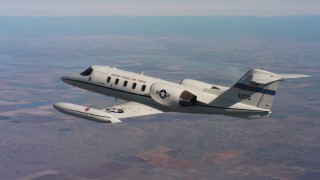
<point x="172" y="96"/>
<point x="187" y="99"/>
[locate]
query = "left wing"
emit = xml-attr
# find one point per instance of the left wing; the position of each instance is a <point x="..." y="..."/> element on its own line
<point x="131" y="109"/>
<point x="106" y="115"/>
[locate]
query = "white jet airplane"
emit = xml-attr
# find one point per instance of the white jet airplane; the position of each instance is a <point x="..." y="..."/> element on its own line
<point x="251" y="97"/>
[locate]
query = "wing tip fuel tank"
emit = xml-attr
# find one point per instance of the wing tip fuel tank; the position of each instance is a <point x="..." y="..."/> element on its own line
<point x="85" y="112"/>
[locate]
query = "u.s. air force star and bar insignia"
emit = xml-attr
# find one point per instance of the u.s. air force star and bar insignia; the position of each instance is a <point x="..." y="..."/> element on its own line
<point x="163" y="94"/>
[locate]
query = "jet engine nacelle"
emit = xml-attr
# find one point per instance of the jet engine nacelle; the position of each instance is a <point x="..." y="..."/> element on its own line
<point x="196" y="84"/>
<point x="172" y="96"/>
<point x="202" y="86"/>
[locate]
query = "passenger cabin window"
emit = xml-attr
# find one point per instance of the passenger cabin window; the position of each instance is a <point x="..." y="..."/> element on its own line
<point x="87" y="72"/>
<point x="125" y="83"/>
<point x="116" y="81"/>
<point x="108" y="79"/>
<point x="143" y="87"/>
<point x="134" y="85"/>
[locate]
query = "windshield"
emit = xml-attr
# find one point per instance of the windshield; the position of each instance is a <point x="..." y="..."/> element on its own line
<point x="87" y="72"/>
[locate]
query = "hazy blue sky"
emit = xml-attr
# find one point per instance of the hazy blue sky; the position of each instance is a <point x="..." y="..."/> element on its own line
<point x="158" y="7"/>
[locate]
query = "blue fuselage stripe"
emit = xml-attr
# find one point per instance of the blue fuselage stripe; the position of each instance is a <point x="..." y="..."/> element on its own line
<point x="255" y="89"/>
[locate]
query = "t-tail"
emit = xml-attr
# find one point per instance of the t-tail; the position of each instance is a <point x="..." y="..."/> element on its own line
<point x="256" y="88"/>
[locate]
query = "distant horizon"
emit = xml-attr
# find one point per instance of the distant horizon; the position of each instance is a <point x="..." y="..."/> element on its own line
<point x="281" y="27"/>
<point x="160" y="8"/>
<point x="160" y="16"/>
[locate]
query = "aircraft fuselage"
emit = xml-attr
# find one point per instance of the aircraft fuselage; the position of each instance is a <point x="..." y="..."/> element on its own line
<point x="135" y="87"/>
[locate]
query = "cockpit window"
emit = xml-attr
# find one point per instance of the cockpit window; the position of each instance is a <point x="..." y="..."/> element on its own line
<point x="87" y="72"/>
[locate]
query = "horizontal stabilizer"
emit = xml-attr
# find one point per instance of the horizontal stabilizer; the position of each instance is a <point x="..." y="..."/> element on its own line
<point x="289" y="76"/>
<point x="261" y="77"/>
<point x="131" y="109"/>
<point x="265" y="78"/>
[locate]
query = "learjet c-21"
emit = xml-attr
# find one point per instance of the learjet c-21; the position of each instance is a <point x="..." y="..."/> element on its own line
<point x="251" y="97"/>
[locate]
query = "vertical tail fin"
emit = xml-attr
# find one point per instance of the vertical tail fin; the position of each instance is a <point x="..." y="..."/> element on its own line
<point x="256" y="88"/>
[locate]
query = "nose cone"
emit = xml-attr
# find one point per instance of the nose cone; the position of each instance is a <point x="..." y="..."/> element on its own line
<point x="70" y="78"/>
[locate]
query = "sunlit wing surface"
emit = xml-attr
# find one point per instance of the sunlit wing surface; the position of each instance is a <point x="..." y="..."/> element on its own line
<point x="85" y="112"/>
<point x="107" y="115"/>
<point x="131" y="109"/>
